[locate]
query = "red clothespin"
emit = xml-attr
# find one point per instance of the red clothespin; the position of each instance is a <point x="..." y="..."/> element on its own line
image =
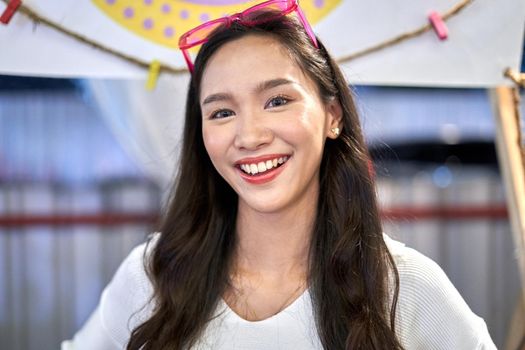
<point x="9" y="11"/>
<point x="439" y="25"/>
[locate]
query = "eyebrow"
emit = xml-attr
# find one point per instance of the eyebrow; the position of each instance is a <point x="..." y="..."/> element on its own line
<point x="270" y="84"/>
<point x="217" y="97"/>
<point x="263" y="86"/>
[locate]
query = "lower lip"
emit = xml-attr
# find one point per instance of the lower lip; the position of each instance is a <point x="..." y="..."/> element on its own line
<point x="263" y="178"/>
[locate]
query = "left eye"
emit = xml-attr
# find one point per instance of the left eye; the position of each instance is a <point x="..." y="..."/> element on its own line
<point x="277" y="101"/>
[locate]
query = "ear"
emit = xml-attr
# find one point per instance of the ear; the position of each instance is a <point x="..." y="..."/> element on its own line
<point x="334" y="118"/>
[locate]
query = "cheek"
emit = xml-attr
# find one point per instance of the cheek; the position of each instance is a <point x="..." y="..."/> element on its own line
<point x="310" y="127"/>
<point x="215" y="144"/>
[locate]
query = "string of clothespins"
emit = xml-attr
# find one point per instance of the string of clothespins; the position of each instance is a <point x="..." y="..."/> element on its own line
<point x="435" y="21"/>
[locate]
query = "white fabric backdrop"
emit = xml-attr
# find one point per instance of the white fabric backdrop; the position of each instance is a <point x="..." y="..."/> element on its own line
<point x="484" y="39"/>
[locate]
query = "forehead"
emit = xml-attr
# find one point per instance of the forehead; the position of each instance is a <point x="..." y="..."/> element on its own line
<point x="243" y="63"/>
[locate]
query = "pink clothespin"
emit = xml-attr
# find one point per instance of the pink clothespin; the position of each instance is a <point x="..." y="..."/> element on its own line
<point x="9" y="11"/>
<point x="438" y="24"/>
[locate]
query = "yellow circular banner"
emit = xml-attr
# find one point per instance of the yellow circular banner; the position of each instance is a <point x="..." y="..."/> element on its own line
<point x="163" y="21"/>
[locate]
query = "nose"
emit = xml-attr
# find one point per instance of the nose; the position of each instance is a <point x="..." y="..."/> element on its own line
<point x="252" y="132"/>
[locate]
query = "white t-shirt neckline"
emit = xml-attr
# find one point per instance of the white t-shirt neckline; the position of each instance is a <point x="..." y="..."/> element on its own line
<point x="298" y="302"/>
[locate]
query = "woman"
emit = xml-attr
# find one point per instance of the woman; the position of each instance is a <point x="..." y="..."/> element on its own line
<point x="272" y="239"/>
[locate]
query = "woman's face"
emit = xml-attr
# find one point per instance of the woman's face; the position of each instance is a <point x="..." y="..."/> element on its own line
<point x="264" y="124"/>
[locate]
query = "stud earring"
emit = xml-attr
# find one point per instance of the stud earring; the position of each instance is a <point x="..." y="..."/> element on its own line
<point x="335" y="131"/>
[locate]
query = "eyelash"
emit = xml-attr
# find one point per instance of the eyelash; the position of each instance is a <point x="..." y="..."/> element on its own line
<point x="213" y="115"/>
<point x="283" y="98"/>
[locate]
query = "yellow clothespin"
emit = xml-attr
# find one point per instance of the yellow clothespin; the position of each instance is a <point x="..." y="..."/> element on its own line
<point x="154" y="69"/>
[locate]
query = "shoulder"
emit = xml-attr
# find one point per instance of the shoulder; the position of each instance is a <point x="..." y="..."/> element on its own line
<point x="126" y="301"/>
<point x="431" y="313"/>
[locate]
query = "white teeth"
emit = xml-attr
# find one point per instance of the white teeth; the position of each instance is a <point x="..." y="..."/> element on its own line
<point x="261" y="167"/>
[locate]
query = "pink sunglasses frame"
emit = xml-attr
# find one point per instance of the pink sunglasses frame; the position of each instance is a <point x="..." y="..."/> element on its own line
<point x="291" y="6"/>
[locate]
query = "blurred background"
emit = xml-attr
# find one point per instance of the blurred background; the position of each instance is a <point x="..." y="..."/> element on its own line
<point x="74" y="200"/>
<point x="86" y="161"/>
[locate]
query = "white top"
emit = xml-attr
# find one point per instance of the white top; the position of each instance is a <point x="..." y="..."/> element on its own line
<point x="431" y="314"/>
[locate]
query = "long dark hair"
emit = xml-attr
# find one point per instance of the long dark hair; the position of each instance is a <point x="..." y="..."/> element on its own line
<point x="350" y="268"/>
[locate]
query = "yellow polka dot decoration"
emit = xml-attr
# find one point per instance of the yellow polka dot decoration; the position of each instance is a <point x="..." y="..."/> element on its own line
<point x="163" y="21"/>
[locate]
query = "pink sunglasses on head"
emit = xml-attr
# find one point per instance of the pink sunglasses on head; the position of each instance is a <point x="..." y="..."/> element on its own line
<point x="199" y="35"/>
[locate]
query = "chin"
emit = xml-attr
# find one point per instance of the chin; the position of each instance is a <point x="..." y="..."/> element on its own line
<point x="266" y="206"/>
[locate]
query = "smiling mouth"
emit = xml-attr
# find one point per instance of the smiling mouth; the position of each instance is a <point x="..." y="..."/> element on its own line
<point x="261" y="168"/>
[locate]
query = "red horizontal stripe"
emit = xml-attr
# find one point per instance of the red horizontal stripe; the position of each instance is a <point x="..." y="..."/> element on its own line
<point x="397" y="213"/>
<point x="445" y="212"/>
<point x="82" y="219"/>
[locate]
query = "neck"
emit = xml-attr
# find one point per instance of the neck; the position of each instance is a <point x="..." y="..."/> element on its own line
<point x="275" y="244"/>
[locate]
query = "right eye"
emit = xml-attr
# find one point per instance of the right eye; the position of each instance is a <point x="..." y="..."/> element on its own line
<point x="221" y="113"/>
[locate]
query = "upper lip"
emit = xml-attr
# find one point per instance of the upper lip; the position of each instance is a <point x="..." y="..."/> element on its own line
<point x="256" y="160"/>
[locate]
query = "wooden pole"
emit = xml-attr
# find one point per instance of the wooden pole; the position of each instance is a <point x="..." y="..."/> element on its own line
<point x="516" y="332"/>
<point x="509" y="145"/>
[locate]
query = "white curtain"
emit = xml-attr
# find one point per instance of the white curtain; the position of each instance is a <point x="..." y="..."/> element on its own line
<point x="148" y="124"/>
